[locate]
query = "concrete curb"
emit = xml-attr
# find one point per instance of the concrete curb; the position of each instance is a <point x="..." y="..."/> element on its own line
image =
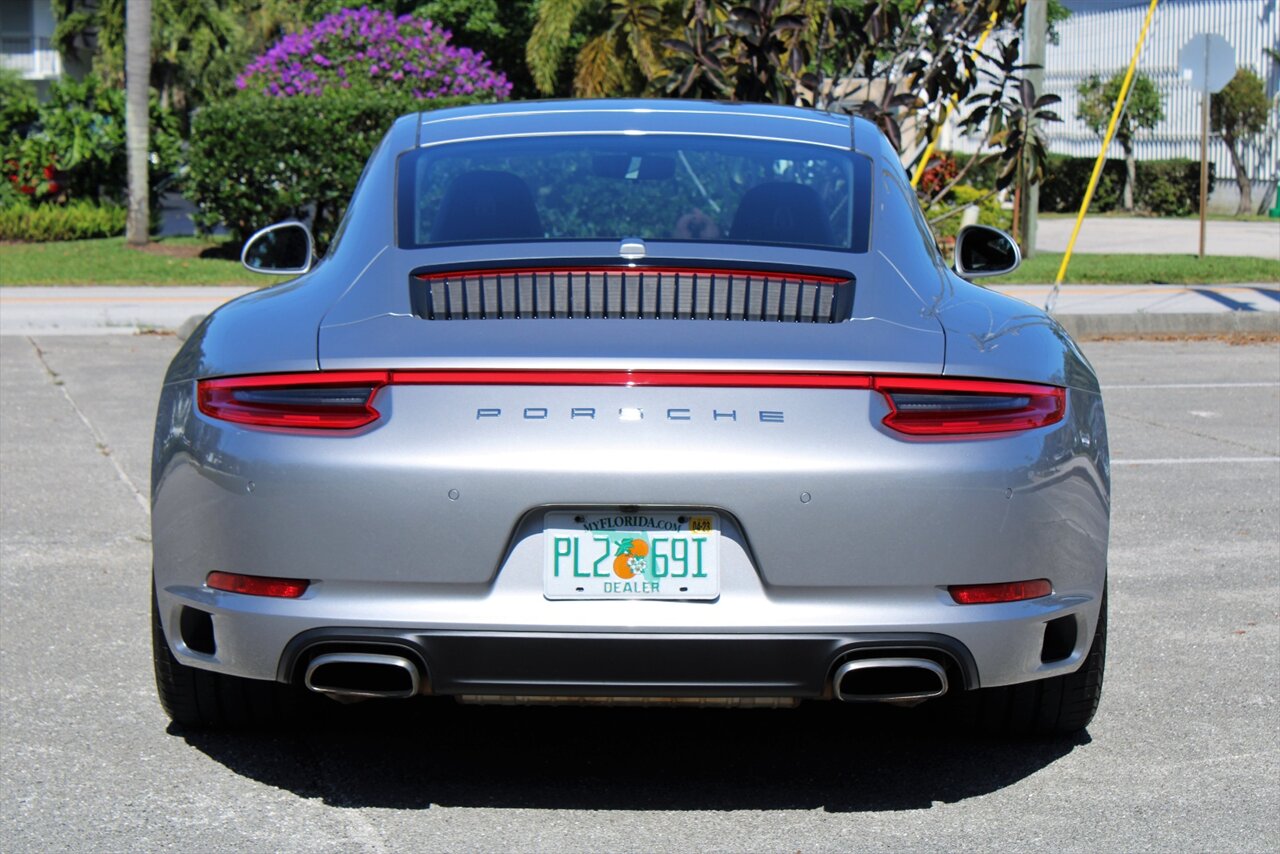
<point x="1090" y="325"/>
<point x="1144" y="323"/>
<point x="189" y="325"/>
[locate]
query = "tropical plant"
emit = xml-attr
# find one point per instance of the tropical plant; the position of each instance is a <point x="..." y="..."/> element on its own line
<point x="1010" y="116"/>
<point x="752" y="52"/>
<point x="1239" y="112"/>
<point x="75" y="149"/>
<point x="614" y="45"/>
<point x="1143" y="110"/>
<point x="17" y="104"/>
<point x="897" y="63"/>
<point x="368" y="49"/>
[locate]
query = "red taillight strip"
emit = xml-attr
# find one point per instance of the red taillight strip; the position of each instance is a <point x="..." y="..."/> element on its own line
<point x="1043" y="404"/>
<point x="1009" y="591"/>
<point x="258" y="585"/>
<point x="636" y="271"/>
<point x="703" y="379"/>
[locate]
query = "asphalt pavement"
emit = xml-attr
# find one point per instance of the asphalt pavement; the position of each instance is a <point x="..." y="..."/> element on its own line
<point x="1184" y="753"/>
<point x="1161" y="236"/>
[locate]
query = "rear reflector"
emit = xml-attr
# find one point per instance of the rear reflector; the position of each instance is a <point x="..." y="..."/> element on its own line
<point x="258" y="585"/>
<point x="1011" y="591"/>
<point x="938" y="406"/>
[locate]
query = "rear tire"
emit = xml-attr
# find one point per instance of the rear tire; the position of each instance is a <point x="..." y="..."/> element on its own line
<point x="201" y="698"/>
<point x="1059" y="705"/>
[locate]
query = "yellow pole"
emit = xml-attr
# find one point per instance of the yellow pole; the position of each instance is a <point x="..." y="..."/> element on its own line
<point x="951" y="105"/>
<point x="1052" y="298"/>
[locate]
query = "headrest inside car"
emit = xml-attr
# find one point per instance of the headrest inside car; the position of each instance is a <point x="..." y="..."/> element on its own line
<point x="485" y="205"/>
<point x="781" y="213"/>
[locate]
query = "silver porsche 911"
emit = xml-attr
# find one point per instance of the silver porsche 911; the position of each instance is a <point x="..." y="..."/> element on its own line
<point x="631" y="402"/>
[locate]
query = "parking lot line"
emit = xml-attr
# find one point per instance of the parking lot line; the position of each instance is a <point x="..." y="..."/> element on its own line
<point x="1127" y="386"/>
<point x="1172" y="461"/>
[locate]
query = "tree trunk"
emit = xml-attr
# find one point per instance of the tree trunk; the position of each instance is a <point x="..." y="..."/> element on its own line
<point x="1242" y="176"/>
<point x="1130" y="177"/>
<point x="137" y="72"/>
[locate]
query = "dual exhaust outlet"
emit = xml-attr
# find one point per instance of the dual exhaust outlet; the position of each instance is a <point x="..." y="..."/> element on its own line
<point x="355" y="676"/>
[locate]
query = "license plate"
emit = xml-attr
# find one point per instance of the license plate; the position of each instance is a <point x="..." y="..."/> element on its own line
<point x="640" y="555"/>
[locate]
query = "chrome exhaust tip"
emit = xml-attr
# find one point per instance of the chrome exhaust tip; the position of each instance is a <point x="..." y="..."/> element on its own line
<point x="889" y="680"/>
<point x="357" y="675"/>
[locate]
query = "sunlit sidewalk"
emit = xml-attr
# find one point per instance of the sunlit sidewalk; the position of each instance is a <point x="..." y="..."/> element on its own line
<point x="1152" y="299"/>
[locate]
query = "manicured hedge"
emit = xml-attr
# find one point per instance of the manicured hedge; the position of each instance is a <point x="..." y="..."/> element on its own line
<point x="255" y="160"/>
<point x="1164" y="187"/>
<point x="79" y="220"/>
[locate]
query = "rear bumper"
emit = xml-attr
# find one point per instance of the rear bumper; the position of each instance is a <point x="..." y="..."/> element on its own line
<point x="578" y="664"/>
<point x="981" y="645"/>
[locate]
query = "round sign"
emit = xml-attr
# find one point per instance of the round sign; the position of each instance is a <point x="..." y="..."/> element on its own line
<point x="1207" y="62"/>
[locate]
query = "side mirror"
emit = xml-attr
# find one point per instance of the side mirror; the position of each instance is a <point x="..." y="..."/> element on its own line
<point x="985" y="251"/>
<point x="283" y="249"/>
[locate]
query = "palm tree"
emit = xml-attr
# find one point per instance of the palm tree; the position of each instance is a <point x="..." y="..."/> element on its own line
<point x="619" y="58"/>
<point x="137" y="73"/>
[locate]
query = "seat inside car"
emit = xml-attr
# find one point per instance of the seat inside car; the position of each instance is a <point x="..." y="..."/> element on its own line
<point x="780" y="212"/>
<point x="486" y="205"/>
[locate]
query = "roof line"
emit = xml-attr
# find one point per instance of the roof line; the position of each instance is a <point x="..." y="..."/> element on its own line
<point x="833" y="122"/>
<point x="629" y="133"/>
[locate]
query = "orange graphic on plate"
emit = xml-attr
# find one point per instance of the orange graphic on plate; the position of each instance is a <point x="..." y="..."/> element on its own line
<point x="630" y="560"/>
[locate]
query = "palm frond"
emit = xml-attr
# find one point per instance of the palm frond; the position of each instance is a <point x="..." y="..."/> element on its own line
<point x="550" y="36"/>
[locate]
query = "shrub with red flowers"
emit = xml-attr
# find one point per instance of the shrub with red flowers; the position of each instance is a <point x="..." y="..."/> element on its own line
<point x="942" y="169"/>
<point x="29" y="178"/>
<point x="359" y="48"/>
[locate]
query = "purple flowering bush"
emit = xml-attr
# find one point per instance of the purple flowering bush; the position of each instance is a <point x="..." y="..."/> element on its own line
<point x="360" y="48"/>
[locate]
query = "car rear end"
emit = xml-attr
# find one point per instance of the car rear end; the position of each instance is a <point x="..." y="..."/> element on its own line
<point x="652" y="469"/>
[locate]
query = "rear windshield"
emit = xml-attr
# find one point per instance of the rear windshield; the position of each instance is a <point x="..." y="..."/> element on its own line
<point x="612" y="187"/>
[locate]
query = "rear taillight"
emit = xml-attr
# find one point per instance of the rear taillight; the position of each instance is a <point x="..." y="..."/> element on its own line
<point x="924" y="406"/>
<point x="1009" y="591"/>
<point x="258" y="585"/>
<point x="339" y="400"/>
<point x="930" y="406"/>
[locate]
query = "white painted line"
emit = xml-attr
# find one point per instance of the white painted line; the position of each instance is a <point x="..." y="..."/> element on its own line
<point x="1175" y="461"/>
<point x="1190" y="385"/>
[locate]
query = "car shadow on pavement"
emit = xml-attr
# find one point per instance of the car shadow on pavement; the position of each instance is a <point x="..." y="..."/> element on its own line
<point x="416" y="754"/>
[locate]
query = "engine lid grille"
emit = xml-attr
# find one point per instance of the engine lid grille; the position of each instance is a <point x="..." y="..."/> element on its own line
<point x="640" y="293"/>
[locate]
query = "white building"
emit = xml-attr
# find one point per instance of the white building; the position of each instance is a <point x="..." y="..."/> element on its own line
<point x="26" y="40"/>
<point x="1099" y="37"/>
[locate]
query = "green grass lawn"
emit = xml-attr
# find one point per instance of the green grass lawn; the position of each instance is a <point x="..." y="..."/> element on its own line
<point x="171" y="261"/>
<point x="176" y="261"/>
<point x="1141" y="269"/>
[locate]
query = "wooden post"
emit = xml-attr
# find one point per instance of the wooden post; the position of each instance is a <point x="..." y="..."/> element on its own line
<point x="1204" y="163"/>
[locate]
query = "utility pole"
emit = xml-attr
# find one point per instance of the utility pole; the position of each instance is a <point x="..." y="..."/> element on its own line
<point x="1035" y="28"/>
<point x="137" y="85"/>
